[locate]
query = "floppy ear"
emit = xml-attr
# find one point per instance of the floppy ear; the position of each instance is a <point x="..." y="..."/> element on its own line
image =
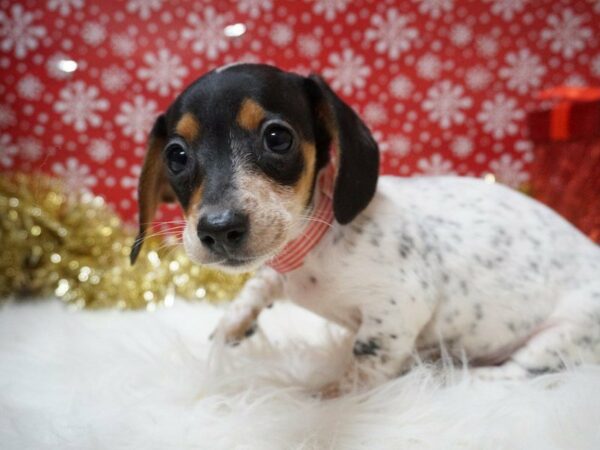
<point x="357" y="152"/>
<point x="153" y="187"/>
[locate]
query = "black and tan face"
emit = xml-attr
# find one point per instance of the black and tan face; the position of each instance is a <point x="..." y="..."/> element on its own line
<point x="240" y="150"/>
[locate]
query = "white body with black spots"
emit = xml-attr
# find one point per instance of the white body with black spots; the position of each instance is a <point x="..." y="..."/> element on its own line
<point x="479" y="268"/>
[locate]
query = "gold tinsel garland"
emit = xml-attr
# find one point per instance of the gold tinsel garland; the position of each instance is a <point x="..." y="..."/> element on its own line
<point x="73" y="246"/>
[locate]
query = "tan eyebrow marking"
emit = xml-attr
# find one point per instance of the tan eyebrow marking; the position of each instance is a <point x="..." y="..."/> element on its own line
<point x="250" y="114"/>
<point x="195" y="200"/>
<point x="188" y="127"/>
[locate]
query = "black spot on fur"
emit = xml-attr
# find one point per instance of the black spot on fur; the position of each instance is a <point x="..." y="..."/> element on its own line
<point x="362" y="348"/>
<point x="585" y="341"/>
<point x="406" y="245"/>
<point x="356" y="228"/>
<point x="250" y="331"/>
<point x="478" y="311"/>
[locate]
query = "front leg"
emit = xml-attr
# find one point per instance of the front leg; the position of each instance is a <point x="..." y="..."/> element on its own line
<point x="239" y="321"/>
<point x="384" y="343"/>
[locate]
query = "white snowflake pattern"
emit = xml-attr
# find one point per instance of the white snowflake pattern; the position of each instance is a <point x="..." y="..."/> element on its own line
<point x="461" y="35"/>
<point x="462" y="146"/>
<point x="566" y="33"/>
<point x="79" y="104"/>
<point x="123" y="45"/>
<point x="498" y="116"/>
<point x="524" y="71"/>
<point x="64" y="6"/>
<point x="93" y="33"/>
<point x="507" y="8"/>
<point x="435" y="165"/>
<point x="392" y="34"/>
<point x="114" y="79"/>
<point x="596" y="65"/>
<point x="525" y="147"/>
<point x="143" y="7"/>
<point x="8" y="150"/>
<point x="309" y="45"/>
<point x="349" y="71"/>
<point x="76" y="176"/>
<point x="329" y="8"/>
<point x="254" y="8"/>
<point x="575" y="80"/>
<point x="398" y="145"/>
<point x="7" y="116"/>
<point x="30" y="87"/>
<point x="478" y="78"/>
<point x="401" y="87"/>
<point x="130" y="182"/>
<point x="435" y="8"/>
<point x="163" y="72"/>
<point x="281" y="34"/>
<point x="509" y="171"/>
<point x="487" y="46"/>
<point x="100" y="150"/>
<point x="375" y="113"/>
<point x="302" y="69"/>
<point x="445" y="102"/>
<point x="248" y="58"/>
<point x="18" y="32"/>
<point x="429" y="66"/>
<point x="206" y="34"/>
<point x="53" y="66"/>
<point x="30" y="148"/>
<point x="136" y="118"/>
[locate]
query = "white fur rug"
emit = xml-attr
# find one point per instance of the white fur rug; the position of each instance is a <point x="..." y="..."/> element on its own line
<point x="114" y="380"/>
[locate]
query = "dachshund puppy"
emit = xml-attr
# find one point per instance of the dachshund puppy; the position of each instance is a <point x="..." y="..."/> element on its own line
<point x="274" y="172"/>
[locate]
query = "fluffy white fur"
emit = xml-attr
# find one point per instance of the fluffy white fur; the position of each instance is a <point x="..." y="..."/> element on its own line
<point x="88" y="379"/>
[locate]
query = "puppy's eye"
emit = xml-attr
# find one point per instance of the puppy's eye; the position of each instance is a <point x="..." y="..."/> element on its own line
<point x="176" y="158"/>
<point x="278" y="139"/>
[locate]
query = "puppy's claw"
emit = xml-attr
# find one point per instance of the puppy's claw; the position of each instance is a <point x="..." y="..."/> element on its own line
<point x="234" y="328"/>
<point x="250" y="331"/>
<point x="330" y="391"/>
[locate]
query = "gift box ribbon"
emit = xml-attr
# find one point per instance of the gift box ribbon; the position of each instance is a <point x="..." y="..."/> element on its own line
<point x="575" y="115"/>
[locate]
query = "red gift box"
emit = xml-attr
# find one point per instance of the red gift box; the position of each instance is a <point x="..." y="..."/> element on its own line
<point x="566" y="169"/>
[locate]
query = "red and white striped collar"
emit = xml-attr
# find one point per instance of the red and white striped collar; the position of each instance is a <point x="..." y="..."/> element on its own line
<point x="292" y="255"/>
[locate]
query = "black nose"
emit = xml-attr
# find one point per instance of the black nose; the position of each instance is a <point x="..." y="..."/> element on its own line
<point x="222" y="229"/>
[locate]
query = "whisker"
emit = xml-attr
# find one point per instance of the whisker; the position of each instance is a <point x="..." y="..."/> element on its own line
<point x="169" y="222"/>
<point x="170" y="231"/>
<point x="171" y="248"/>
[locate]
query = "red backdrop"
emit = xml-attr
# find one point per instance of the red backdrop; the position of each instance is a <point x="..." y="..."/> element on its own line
<point x="444" y="84"/>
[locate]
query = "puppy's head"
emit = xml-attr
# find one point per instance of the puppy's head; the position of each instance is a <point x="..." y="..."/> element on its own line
<point x="240" y="150"/>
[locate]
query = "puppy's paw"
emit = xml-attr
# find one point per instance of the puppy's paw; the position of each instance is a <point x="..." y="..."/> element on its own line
<point x="238" y="323"/>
